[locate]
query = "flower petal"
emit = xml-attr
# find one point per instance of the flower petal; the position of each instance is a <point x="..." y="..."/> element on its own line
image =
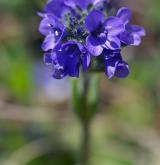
<point x="95" y="2"/>
<point x="93" y="20"/>
<point x="122" y="70"/>
<point x="124" y="14"/>
<point x="137" y="40"/>
<point x="83" y="4"/>
<point x="70" y="3"/>
<point x="48" y="23"/>
<point x="112" y="59"/>
<point x="136" y="29"/>
<point x="126" y="38"/>
<point x="58" y="71"/>
<point x="69" y="57"/>
<point x="110" y="67"/>
<point x="44" y="27"/>
<point x="112" y="43"/>
<point x="56" y="7"/>
<point x="97" y="40"/>
<point x="47" y="58"/>
<point x="114" y="25"/>
<point x="86" y="59"/>
<point x="49" y="42"/>
<point x="93" y="50"/>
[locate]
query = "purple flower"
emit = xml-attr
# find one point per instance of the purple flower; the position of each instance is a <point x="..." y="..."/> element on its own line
<point x="67" y="60"/>
<point x="133" y="33"/>
<point x="77" y="31"/>
<point x="103" y="32"/>
<point x="114" y="65"/>
<point x="54" y="31"/>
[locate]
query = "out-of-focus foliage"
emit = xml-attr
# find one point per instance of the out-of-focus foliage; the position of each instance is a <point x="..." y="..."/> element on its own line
<point x="36" y="124"/>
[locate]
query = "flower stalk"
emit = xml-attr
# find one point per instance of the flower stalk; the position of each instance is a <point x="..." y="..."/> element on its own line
<point x="85" y="148"/>
<point x="85" y="100"/>
<point x="85" y="122"/>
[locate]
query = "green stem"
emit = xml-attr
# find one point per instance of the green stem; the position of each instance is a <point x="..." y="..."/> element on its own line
<point x="85" y="123"/>
<point x="85" y="100"/>
<point x="85" y="150"/>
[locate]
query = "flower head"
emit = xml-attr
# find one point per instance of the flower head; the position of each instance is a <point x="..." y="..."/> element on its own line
<point x="67" y="59"/>
<point x="77" y="33"/>
<point x="71" y="55"/>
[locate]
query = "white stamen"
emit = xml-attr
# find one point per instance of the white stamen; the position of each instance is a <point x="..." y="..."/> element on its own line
<point x="56" y="33"/>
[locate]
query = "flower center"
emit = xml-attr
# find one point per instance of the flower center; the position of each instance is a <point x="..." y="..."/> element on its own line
<point x="75" y="27"/>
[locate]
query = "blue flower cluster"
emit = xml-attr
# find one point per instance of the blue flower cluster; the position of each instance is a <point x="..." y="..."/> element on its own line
<point x="79" y="32"/>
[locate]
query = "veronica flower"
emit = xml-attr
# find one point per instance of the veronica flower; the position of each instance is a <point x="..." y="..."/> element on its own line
<point x="103" y="32"/>
<point x="67" y="60"/>
<point x="133" y="33"/>
<point x="77" y="31"/>
<point x="53" y="30"/>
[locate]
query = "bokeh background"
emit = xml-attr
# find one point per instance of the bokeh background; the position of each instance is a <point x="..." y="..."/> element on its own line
<point x="37" y="126"/>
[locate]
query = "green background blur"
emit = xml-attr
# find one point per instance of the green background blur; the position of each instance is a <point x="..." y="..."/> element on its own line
<point x="37" y="126"/>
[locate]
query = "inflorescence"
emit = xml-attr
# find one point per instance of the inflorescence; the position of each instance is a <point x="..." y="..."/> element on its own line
<point x="81" y="33"/>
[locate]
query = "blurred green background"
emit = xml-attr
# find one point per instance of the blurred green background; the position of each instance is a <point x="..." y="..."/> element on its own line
<point x="37" y="126"/>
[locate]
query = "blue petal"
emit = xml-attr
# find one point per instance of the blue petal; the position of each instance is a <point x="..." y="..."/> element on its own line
<point x="73" y="69"/>
<point x="122" y="70"/>
<point x="132" y="35"/>
<point x="86" y="59"/>
<point x="110" y="67"/>
<point x="44" y="27"/>
<point x="51" y="60"/>
<point x="83" y="4"/>
<point x="114" y="25"/>
<point x="70" y="3"/>
<point x="108" y="54"/>
<point x="58" y="71"/>
<point x="93" y="20"/>
<point x="49" y="42"/>
<point x="56" y="7"/>
<point x="136" y="40"/>
<point x="97" y="40"/>
<point x="124" y="14"/>
<point x="136" y="30"/>
<point x="47" y="58"/>
<point x="113" y="43"/>
<point x="93" y="50"/>
<point x="95" y="2"/>
<point x="127" y="38"/>
<point x="48" y="23"/>
<point x="112" y="59"/>
<point x="69" y="57"/>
